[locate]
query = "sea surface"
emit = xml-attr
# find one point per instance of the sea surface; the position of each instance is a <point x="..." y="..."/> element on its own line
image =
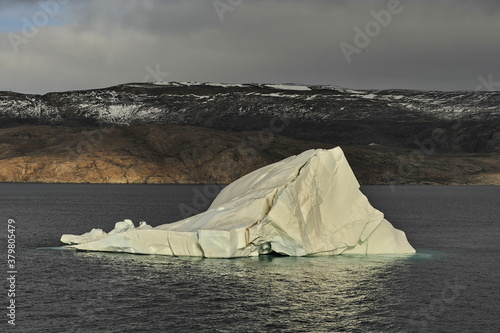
<point x="450" y="285"/>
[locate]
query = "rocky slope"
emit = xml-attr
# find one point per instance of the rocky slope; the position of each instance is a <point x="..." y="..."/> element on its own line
<point x="215" y="133"/>
<point x="397" y="118"/>
<point x="152" y="153"/>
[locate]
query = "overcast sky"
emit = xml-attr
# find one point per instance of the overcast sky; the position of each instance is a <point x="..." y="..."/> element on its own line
<point x="55" y="45"/>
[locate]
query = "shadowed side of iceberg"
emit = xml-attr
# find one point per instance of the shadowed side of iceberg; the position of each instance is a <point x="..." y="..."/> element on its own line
<point x="309" y="204"/>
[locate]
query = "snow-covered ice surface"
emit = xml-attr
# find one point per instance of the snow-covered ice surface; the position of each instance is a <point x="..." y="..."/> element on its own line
<point x="288" y="87"/>
<point x="309" y="204"/>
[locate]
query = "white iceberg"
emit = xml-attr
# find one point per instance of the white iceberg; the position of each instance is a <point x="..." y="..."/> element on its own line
<point x="309" y="204"/>
<point x="96" y="234"/>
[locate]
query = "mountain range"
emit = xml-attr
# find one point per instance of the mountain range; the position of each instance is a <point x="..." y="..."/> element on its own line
<point x="159" y="122"/>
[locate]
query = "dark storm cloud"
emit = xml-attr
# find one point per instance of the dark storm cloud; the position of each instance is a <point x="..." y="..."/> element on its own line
<point x="446" y="44"/>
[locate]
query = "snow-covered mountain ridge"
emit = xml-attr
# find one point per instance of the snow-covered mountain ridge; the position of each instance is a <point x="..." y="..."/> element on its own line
<point x="467" y="121"/>
<point x="207" y="103"/>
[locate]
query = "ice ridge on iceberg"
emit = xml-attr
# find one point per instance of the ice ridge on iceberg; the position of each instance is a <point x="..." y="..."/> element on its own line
<point x="309" y="204"/>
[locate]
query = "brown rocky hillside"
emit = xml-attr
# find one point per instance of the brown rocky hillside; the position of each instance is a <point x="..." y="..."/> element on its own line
<point x="186" y="154"/>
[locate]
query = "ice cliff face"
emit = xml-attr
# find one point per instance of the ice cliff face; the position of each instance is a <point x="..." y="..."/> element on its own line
<point x="230" y="105"/>
<point x="309" y="204"/>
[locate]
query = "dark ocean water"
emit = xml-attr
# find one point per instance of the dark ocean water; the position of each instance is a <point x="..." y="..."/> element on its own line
<point x="451" y="285"/>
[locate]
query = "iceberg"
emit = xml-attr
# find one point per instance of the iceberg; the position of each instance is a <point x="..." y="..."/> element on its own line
<point x="308" y="204"/>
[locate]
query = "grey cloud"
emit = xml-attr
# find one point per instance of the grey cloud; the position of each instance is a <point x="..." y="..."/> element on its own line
<point x="443" y="45"/>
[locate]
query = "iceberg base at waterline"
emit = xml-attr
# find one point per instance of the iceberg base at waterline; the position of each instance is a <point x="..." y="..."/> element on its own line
<point x="308" y="204"/>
